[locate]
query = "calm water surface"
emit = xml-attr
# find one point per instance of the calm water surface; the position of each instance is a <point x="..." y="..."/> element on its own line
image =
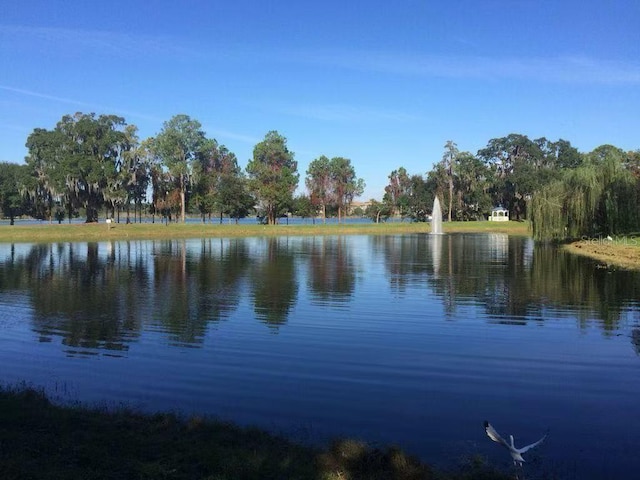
<point x="411" y="340"/>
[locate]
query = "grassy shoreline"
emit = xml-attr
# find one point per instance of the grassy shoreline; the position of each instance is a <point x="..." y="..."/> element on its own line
<point x="46" y="233"/>
<point x="622" y="252"/>
<point x="42" y="440"/>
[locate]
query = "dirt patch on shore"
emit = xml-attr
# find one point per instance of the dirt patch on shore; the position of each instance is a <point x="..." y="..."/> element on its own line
<point x="625" y="255"/>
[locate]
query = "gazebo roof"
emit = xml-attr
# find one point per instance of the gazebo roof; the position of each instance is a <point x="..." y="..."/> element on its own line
<point x="499" y="208"/>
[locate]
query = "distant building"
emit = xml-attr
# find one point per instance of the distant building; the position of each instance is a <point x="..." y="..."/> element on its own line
<point x="362" y="205"/>
<point x="499" y="214"/>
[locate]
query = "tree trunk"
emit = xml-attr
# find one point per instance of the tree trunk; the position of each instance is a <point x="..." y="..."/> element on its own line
<point x="92" y="214"/>
<point x="450" y="194"/>
<point x="182" y="205"/>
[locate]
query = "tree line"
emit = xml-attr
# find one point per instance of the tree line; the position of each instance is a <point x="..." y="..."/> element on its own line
<point x="565" y="193"/>
<point x="90" y="163"/>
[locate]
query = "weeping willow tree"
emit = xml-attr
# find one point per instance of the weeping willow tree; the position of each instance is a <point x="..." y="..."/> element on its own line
<point x="598" y="198"/>
<point x="548" y="217"/>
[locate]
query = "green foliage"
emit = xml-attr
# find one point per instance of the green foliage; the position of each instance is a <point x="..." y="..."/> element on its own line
<point x="462" y="180"/>
<point x="303" y="207"/>
<point x="90" y="162"/>
<point x="508" y="171"/>
<point x="511" y="161"/>
<point x="318" y="182"/>
<point x="78" y="163"/>
<point x="273" y="175"/>
<point x="547" y="213"/>
<point x="437" y="184"/>
<point x="617" y="211"/>
<point x="471" y="187"/>
<point x="378" y="211"/>
<point x="397" y="194"/>
<point x="180" y="145"/>
<point x="46" y="185"/>
<point x="233" y="196"/>
<point x="405" y="195"/>
<point x="561" y="153"/>
<point x="600" y="197"/>
<point x="346" y="186"/>
<point x="519" y="166"/>
<point x="45" y="441"/>
<point x="333" y="184"/>
<point x="12" y="201"/>
<point x="130" y="180"/>
<point x="218" y="183"/>
<point x="420" y="199"/>
<point x="449" y="160"/>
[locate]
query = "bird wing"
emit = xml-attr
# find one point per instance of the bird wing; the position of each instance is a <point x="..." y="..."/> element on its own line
<point x="529" y="447"/>
<point x="493" y="435"/>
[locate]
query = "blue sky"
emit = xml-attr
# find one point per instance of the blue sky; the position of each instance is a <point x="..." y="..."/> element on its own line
<point x="385" y="84"/>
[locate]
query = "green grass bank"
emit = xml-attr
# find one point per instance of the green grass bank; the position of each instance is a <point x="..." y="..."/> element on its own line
<point x="621" y="252"/>
<point x="41" y="440"/>
<point x="45" y="233"/>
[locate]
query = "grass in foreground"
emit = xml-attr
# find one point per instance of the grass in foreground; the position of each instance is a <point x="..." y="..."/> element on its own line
<point x="39" y="440"/>
<point x="149" y="231"/>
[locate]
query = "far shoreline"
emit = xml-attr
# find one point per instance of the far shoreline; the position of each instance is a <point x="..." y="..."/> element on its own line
<point x="92" y="232"/>
<point x="621" y="252"/>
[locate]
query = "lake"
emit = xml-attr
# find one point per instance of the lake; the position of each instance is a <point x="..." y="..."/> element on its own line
<point x="413" y="340"/>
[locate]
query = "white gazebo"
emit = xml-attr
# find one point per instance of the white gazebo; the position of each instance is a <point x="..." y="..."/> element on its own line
<point x="499" y="214"/>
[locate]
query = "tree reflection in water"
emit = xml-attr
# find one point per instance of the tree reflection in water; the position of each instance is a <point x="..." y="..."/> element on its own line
<point x="514" y="280"/>
<point x="101" y="296"/>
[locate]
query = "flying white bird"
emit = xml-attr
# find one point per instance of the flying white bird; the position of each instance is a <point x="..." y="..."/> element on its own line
<point x="516" y="453"/>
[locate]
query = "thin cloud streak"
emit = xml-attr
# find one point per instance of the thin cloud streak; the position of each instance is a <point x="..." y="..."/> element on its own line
<point x="13" y="127"/>
<point x="232" y="135"/>
<point x="563" y="69"/>
<point x="70" y="101"/>
<point x="52" y="98"/>
<point x="572" y="69"/>
<point x="344" y="113"/>
<point x="74" y="41"/>
<point x="99" y="108"/>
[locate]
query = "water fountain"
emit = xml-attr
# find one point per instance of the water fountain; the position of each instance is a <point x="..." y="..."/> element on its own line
<point x="436" y="218"/>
